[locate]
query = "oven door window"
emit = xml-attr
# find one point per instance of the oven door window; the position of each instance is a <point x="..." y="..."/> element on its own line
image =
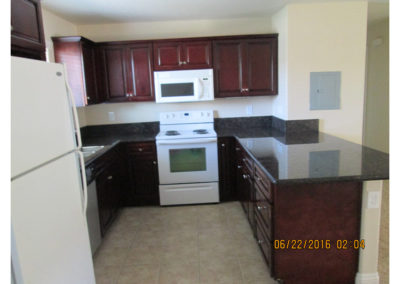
<point x="187" y="160"/>
<point x="177" y="89"/>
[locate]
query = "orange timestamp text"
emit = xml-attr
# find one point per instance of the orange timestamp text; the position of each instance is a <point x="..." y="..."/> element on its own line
<point x="319" y="244"/>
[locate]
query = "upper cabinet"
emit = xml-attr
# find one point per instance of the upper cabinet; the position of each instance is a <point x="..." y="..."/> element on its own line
<point x="79" y="56"/>
<point x="123" y="71"/>
<point x="246" y="66"/>
<point x="27" y="36"/>
<point x="179" y="55"/>
<point x="127" y="72"/>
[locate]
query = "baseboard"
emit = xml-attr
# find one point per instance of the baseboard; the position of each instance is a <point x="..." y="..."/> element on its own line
<point x="367" y="278"/>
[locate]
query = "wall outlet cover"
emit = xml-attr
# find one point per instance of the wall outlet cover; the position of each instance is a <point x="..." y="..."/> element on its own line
<point x="111" y="116"/>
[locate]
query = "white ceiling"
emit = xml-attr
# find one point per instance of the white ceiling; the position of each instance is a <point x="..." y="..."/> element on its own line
<point x="113" y="11"/>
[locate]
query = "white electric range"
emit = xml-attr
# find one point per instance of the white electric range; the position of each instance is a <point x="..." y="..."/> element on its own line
<point x="187" y="158"/>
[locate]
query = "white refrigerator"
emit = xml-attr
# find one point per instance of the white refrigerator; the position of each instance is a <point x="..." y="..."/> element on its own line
<point x="49" y="235"/>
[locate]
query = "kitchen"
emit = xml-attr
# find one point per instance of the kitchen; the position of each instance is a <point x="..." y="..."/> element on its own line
<point x="269" y="141"/>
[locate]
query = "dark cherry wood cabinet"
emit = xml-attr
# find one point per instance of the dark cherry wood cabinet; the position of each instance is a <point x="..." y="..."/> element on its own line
<point x="127" y="71"/>
<point x="177" y="55"/>
<point x="246" y="66"/>
<point x="143" y="174"/>
<point x="140" y="72"/>
<point x="226" y="164"/>
<point x="113" y="60"/>
<point x="27" y="36"/>
<point x="79" y="56"/>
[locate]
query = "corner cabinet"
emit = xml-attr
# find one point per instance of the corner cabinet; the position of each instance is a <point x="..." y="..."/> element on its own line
<point x="246" y="66"/>
<point x="180" y="55"/>
<point x="79" y="56"/>
<point x="126" y="71"/>
<point x="27" y="36"/>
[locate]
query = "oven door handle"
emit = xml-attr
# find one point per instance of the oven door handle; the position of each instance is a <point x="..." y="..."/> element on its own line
<point x="187" y="141"/>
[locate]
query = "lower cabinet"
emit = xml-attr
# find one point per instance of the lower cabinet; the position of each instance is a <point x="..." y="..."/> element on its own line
<point x="226" y="165"/>
<point x="141" y="159"/>
<point x="293" y="222"/>
<point x="109" y="175"/>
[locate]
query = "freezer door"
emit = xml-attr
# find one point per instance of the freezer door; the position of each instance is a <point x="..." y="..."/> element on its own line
<point x="42" y="125"/>
<point x="49" y="227"/>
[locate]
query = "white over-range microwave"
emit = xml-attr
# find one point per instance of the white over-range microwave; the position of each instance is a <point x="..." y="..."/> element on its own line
<point x="184" y="86"/>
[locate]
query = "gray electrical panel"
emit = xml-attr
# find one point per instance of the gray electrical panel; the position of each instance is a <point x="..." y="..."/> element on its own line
<point x="324" y="90"/>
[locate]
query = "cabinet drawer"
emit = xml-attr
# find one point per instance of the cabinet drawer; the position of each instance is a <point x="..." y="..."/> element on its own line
<point x="264" y="211"/>
<point x="264" y="242"/>
<point x="263" y="183"/>
<point x="141" y="148"/>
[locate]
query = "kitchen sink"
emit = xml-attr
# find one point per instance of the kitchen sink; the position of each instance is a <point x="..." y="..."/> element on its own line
<point x="90" y="150"/>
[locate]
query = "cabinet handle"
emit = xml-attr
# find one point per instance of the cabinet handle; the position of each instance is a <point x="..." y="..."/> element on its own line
<point x="239" y="166"/>
<point x="109" y="177"/>
<point x="88" y="98"/>
<point x="244" y="159"/>
<point x="261" y="207"/>
<point x="140" y="149"/>
<point x="260" y="241"/>
<point x="184" y="62"/>
<point x="245" y="176"/>
<point x="154" y="162"/>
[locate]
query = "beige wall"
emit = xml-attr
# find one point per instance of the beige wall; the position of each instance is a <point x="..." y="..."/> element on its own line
<point x="149" y="111"/>
<point x="175" y="29"/>
<point x="328" y="37"/>
<point x="55" y="26"/>
<point x="280" y="26"/>
<point x="376" y="114"/>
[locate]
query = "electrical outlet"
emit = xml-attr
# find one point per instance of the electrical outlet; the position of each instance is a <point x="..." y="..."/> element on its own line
<point x="111" y="116"/>
<point x="374" y="199"/>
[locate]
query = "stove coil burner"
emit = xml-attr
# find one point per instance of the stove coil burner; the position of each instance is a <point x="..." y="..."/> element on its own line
<point x="200" y="131"/>
<point x="171" y="133"/>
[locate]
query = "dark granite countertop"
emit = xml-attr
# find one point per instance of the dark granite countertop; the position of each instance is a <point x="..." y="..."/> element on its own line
<point x="291" y="157"/>
<point x="315" y="157"/>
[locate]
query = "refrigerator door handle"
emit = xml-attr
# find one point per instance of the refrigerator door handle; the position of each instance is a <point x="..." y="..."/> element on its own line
<point x="74" y="112"/>
<point x="83" y="174"/>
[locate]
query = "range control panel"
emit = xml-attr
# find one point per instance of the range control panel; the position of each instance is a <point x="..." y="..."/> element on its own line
<point x="183" y="117"/>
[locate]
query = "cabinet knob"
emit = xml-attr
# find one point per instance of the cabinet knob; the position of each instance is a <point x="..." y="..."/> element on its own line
<point x="244" y="159"/>
<point x="222" y="145"/>
<point x="184" y="62"/>
<point x="237" y="149"/>
<point x="260" y="241"/>
<point x="154" y="162"/>
<point x="140" y="149"/>
<point x="239" y="166"/>
<point x="258" y="178"/>
<point x="261" y="208"/>
<point x="88" y="98"/>
<point x="109" y="177"/>
<point x="127" y="95"/>
<point x="245" y="176"/>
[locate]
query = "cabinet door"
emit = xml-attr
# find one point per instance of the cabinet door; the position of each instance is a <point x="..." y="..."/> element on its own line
<point x="104" y="188"/>
<point x="27" y="29"/>
<point x="227" y="67"/>
<point x="226" y="165"/>
<point x="260" y="70"/>
<point x="167" y="55"/>
<point x="140" y="72"/>
<point x="89" y="68"/>
<point x="197" y="54"/>
<point x="143" y="174"/>
<point x="114" y="61"/>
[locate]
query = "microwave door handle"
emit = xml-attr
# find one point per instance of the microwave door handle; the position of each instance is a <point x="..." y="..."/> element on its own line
<point x="188" y="141"/>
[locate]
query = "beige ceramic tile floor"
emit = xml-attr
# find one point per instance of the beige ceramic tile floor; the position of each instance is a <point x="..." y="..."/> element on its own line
<point x="183" y="244"/>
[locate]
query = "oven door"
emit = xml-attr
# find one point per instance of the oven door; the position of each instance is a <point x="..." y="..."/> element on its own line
<point x="187" y="160"/>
